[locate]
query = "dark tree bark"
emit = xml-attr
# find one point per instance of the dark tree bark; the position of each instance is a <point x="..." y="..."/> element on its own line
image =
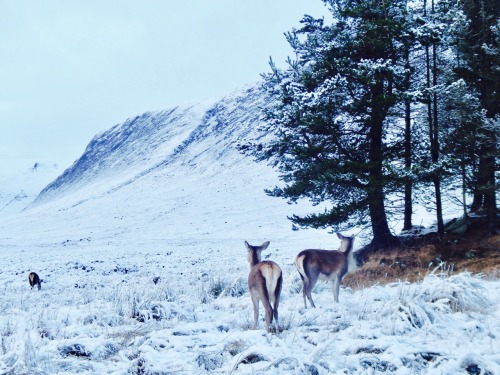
<point x="408" y="206"/>
<point x="435" y="143"/>
<point x="382" y="236"/>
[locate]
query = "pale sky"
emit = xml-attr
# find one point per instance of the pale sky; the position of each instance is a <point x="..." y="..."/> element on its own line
<point x="71" y="69"/>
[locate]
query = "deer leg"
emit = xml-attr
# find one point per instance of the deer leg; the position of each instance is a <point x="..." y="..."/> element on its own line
<point x="335" y="288"/>
<point x="255" y="301"/>
<point x="308" y="287"/>
<point x="275" y="313"/>
<point x="277" y="294"/>
<point x="269" y="316"/>
<point x="309" y="297"/>
<point x="264" y="297"/>
<point x="304" y="293"/>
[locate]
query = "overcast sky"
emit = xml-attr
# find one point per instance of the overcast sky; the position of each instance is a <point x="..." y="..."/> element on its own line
<point x="71" y="69"/>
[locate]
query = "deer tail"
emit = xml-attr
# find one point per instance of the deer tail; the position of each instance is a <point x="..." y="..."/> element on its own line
<point x="299" y="264"/>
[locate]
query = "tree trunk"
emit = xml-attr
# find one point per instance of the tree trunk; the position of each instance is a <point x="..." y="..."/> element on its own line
<point x="481" y="182"/>
<point x="408" y="206"/>
<point x="478" y="193"/>
<point x="432" y="117"/>
<point x="485" y="194"/>
<point x="382" y="236"/>
<point x="435" y="146"/>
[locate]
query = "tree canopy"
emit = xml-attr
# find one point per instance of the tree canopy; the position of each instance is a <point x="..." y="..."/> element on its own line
<point x="371" y="105"/>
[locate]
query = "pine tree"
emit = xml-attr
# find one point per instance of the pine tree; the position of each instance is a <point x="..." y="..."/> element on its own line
<point x="408" y="149"/>
<point x="436" y="27"/>
<point x="332" y="113"/>
<point x="430" y="38"/>
<point x="481" y="51"/>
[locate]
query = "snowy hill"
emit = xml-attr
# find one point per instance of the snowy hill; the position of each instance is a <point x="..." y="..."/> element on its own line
<point x="140" y="247"/>
<point x="22" y="182"/>
<point x="170" y="174"/>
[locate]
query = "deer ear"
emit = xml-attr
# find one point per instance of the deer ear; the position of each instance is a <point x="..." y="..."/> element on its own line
<point x="339" y="235"/>
<point x="247" y="245"/>
<point x="265" y="245"/>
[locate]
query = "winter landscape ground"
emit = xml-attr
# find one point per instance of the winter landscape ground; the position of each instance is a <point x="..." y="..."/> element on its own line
<point x="140" y="245"/>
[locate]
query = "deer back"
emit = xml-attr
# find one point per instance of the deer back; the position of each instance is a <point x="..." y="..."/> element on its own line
<point x="327" y="263"/>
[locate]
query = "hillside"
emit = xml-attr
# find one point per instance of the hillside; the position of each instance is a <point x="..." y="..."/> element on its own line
<point x="22" y="182"/>
<point x="170" y="175"/>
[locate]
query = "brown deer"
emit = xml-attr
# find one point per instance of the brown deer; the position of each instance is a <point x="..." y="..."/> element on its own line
<point x="329" y="265"/>
<point x="264" y="283"/>
<point x="34" y="279"/>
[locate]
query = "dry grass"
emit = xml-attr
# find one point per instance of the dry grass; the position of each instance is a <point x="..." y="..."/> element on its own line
<point x="474" y="251"/>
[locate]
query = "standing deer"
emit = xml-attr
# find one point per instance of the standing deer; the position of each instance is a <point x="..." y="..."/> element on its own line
<point x="329" y="265"/>
<point x="34" y="279"/>
<point x="264" y="283"/>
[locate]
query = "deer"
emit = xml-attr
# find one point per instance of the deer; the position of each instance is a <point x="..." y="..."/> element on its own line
<point x="34" y="279"/>
<point x="328" y="265"/>
<point x="265" y="281"/>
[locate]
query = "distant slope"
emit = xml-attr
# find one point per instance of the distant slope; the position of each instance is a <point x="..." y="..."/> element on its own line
<point x="174" y="176"/>
<point x="21" y="184"/>
<point x="155" y="140"/>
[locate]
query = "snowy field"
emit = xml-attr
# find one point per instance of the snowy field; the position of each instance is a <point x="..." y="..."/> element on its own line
<point x="175" y="308"/>
<point x="141" y="250"/>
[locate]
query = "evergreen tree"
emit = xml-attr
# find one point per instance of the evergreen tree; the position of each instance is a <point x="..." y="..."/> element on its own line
<point x="439" y="26"/>
<point x="481" y="50"/>
<point x="333" y="110"/>
<point x="459" y="107"/>
<point x="430" y="36"/>
<point x="462" y="111"/>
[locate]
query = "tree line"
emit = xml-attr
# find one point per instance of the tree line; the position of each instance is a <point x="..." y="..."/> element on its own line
<point x="391" y="104"/>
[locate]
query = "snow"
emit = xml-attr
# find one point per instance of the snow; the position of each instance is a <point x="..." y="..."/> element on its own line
<point x="21" y="181"/>
<point x="141" y="250"/>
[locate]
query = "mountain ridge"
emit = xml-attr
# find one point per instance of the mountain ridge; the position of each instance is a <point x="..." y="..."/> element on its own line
<point x="21" y="184"/>
<point x="167" y="175"/>
<point x="159" y="138"/>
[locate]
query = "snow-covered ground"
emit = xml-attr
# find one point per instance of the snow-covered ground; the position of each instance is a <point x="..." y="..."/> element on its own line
<point x="141" y="248"/>
<point x="161" y="309"/>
